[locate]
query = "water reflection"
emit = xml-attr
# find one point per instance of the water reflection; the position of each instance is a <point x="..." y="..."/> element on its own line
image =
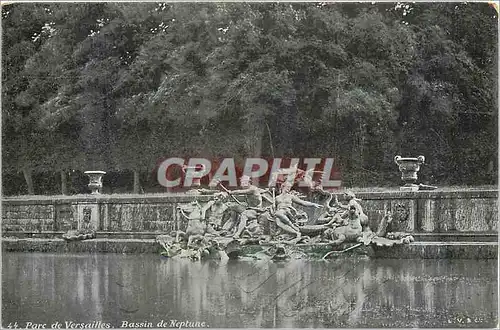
<point x="343" y="293"/>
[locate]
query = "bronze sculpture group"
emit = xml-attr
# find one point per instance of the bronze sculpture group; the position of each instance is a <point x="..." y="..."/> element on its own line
<point x="252" y="215"/>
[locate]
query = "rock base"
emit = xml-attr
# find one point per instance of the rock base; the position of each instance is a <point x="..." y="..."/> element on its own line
<point x="424" y="250"/>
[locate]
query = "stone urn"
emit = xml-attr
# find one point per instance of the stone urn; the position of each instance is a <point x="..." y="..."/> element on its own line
<point x="409" y="168"/>
<point x="95" y="183"/>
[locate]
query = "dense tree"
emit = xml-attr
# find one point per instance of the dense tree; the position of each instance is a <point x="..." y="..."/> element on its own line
<point x="24" y="87"/>
<point x="449" y="94"/>
<point x="119" y="86"/>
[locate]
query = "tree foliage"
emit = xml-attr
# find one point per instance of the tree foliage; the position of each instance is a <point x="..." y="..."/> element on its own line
<point x="119" y="86"/>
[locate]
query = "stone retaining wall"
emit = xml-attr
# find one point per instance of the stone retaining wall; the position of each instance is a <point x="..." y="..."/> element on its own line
<point x="460" y="211"/>
<point x="437" y="211"/>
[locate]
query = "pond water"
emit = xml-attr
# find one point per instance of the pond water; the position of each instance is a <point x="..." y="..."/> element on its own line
<point x="348" y="292"/>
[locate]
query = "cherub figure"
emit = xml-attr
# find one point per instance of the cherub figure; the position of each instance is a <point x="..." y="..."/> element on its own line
<point x="329" y="213"/>
<point x="352" y="202"/>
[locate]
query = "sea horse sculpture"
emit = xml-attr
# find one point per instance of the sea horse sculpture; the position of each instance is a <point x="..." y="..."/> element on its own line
<point x="350" y="232"/>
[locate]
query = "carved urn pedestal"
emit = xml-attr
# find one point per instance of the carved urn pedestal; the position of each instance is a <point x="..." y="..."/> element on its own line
<point x="95" y="183"/>
<point x="409" y="168"/>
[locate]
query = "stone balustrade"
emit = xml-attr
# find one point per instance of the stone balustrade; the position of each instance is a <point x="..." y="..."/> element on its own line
<point x="453" y="211"/>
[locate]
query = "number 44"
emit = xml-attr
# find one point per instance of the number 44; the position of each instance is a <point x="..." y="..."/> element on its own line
<point x="12" y="326"/>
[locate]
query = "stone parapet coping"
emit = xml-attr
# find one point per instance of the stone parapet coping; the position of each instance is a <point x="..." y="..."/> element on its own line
<point x="185" y="198"/>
